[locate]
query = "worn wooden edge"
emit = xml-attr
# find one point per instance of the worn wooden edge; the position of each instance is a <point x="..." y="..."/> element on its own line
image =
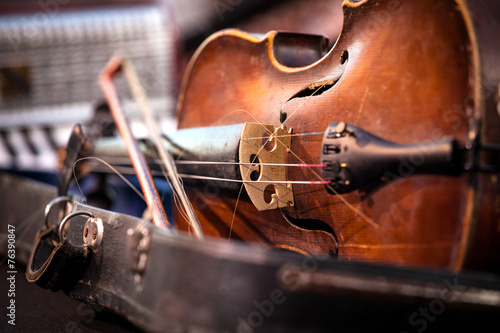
<point x="268" y="38"/>
<point x="470" y="222"/>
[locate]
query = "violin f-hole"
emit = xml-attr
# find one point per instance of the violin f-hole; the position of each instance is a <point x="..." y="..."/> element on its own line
<point x="314" y="225"/>
<point x="321" y="86"/>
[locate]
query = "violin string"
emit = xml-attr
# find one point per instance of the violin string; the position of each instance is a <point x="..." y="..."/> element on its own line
<point x="321" y="181"/>
<point x="112" y="168"/>
<point x="264" y="143"/>
<point x="156" y="161"/>
<point x="233" y="112"/>
<point x="246" y="176"/>
<point x="299" y="165"/>
<point x="263" y="137"/>
<point x="241" y="187"/>
<point x="234" y="213"/>
<point x="303" y="164"/>
<point x="120" y="170"/>
<point x="268" y="138"/>
<point x="270" y="181"/>
<point x="130" y="171"/>
<point x="344" y="200"/>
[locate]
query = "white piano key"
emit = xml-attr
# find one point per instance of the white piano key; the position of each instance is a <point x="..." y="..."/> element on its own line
<point x="61" y="135"/>
<point x="24" y="159"/>
<point x="6" y="159"/>
<point x="46" y="159"/>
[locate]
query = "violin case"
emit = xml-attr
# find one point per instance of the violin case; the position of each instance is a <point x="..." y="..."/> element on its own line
<point x="187" y="285"/>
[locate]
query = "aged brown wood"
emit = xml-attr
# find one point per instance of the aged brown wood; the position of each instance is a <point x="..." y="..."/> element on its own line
<point x="414" y="71"/>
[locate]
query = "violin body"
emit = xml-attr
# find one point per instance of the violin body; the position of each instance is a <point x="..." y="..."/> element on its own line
<point x="405" y="71"/>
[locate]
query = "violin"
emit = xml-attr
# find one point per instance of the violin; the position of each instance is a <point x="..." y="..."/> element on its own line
<point x="382" y="149"/>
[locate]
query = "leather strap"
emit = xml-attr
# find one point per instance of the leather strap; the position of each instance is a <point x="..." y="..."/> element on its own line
<point x="79" y="145"/>
<point x="56" y="264"/>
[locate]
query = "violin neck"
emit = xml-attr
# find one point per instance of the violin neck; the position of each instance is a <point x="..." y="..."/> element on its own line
<point x="207" y="144"/>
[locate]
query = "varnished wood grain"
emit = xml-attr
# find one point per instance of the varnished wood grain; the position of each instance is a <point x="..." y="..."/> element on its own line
<point x="411" y="76"/>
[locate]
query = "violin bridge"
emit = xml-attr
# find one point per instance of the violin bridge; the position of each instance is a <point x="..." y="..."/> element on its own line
<point x="262" y="164"/>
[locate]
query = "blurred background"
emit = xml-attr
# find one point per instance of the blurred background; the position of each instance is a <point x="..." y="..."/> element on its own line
<point x="52" y="51"/>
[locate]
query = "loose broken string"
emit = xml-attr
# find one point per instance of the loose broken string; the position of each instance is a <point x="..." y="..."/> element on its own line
<point x="180" y="196"/>
<point x="300" y="165"/>
<point x="167" y="160"/>
<point x="305" y="182"/>
<point x="318" y="176"/>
